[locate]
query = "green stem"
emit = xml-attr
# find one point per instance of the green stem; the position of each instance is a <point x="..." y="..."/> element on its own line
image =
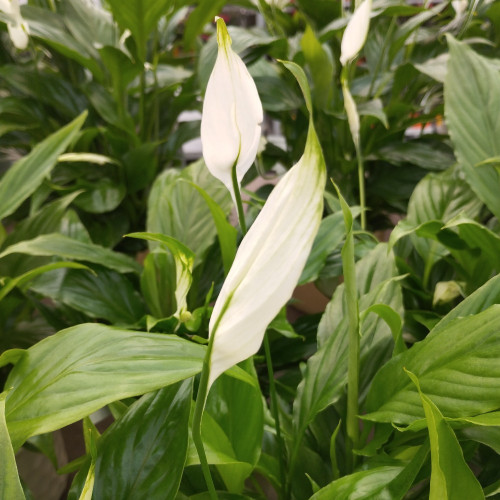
<point x="239" y="203"/>
<point x="353" y="355"/>
<point x="142" y="103"/>
<point x="361" y="182"/>
<point x="275" y="412"/>
<point x="201" y="399"/>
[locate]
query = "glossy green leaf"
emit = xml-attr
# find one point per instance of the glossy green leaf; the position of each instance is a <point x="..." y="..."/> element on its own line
<point x="360" y="485"/>
<point x="330" y="235"/>
<point x="10" y="485"/>
<point x="456" y="365"/>
<point x="226" y="233"/>
<point x="142" y="454"/>
<point x="300" y="76"/>
<point x="9" y="284"/>
<point x="478" y="237"/>
<point x="50" y="27"/>
<point x="436" y="199"/>
<point x="191" y="223"/>
<point x="62" y="246"/>
<point x="27" y="174"/>
<point x="451" y="477"/>
<point x="320" y="63"/>
<point x="237" y="408"/>
<point x="81" y="369"/>
<point x="140" y="17"/>
<point x="104" y="295"/>
<point x="472" y="97"/>
<point x="326" y="372"/>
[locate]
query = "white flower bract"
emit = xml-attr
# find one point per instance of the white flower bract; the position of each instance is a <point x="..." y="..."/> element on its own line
<point x="355" y="33"/>
<point x="232" y="115"/>
<point x="269" y="261"/>
<point x="17" y="28"/>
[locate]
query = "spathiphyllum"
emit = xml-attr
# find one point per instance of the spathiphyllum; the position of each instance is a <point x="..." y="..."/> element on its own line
<point x="232" y="115"/>
<point x="355" y="33"/>
<point x="17" y="27"/>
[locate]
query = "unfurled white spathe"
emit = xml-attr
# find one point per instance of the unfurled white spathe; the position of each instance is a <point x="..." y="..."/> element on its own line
<point x="355" y="33"/>
<point x="232" y="115"/>
<point x="17" y="27"/>
<point x="269" y="261"/>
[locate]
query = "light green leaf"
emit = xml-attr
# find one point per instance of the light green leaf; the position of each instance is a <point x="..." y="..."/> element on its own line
<point x="299" y="74"/>
<point x="456" y="365"/>
<point x="451" y="477"/>
<point x="79" y="370"/>
<point x="27" y="174"/>
<point x="62" y="246"/>
<point x="320" y="64"/>
<point x="360" y="485"/>
<point x="472" y="98"/>
<point x="10" y="485"/>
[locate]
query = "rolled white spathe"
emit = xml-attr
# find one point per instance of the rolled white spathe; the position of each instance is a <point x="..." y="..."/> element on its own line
<point x="355" y="33"/>
<point x="232" y="115"/>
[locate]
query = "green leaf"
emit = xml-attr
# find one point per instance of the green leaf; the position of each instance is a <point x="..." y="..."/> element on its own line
<point x="19" y="281"/>
<point x="456" y="365"/>
<point x="142" y="454"/>
<point x="301" y="78"/>
<point x="472" y="97"/>
<point x="360" y="485"/>
<point x="326" y="371"/>
<point x="237" y="408"/>
<point x="320" y="64"/>
<point x="27" y="174"/>
<point x="191" y="223"/>
<point x="104" y="295"/>
<point x="451" y="477"/>
<point x="330" y="235"/>
<point x="10" y="485"/>
<point x="81" y="369"/>
<point x="226" y="233"/>
<point x="204" y="13"/>
<point x="478" y="237"/>
<point x="140" y="17"/>
<point x="68" y="248"/>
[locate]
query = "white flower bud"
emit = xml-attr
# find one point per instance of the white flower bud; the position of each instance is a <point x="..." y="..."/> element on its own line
<point x="355" y="33"/>
<point x="232" y="114"/>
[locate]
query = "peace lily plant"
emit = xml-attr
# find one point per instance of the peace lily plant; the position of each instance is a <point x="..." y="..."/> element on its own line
<point x="390" y="391"/>
<point x="273" y="253"/>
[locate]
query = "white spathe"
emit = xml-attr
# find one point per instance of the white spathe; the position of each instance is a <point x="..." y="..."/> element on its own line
<point x="17" y="27"/>
<point x="269" y="261"/>
<point x="232" y="115"/>
<point x="355" y="33"/>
